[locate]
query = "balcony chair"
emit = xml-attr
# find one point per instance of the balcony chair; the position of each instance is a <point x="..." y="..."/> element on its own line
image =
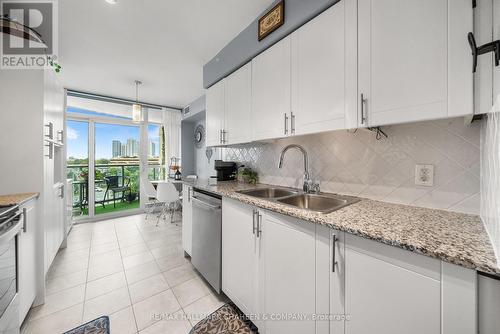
<point x="112" y="185"/>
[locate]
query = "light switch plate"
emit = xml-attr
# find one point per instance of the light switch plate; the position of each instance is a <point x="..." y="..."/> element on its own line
<point x="424" y="175"/>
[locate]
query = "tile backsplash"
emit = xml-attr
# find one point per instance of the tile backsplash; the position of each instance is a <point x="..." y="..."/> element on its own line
<point x="356" y="163"/>
<point x="490" y="177"/>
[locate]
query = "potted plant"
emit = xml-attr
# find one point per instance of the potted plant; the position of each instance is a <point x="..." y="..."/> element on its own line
<point x="134" y="191"/>
<point x="248" y="175"/>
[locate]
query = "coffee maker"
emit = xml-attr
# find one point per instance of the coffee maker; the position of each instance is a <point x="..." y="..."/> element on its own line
<point x="226" y="170"/>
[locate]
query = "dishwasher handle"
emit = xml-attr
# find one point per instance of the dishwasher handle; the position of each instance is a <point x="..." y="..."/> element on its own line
<point x="205" y="204"/>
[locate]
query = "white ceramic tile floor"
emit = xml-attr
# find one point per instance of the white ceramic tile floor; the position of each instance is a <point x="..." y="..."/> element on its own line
<point x="129" y="270"/>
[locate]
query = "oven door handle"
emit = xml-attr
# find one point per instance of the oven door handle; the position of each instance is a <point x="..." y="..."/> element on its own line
<point x="205" y="204"/>
<point x="11" y="232"/>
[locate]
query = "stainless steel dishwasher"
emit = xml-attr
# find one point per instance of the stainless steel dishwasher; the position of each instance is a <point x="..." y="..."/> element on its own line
<point x="207" y="237"/>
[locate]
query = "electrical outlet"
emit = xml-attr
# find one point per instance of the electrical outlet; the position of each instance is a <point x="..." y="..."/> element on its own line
<point x="424" y="175"/>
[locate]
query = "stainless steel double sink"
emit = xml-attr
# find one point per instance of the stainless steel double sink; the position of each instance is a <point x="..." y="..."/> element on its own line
<point x="322" y="203"/>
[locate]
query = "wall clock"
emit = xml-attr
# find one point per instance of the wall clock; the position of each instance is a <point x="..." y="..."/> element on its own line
<point x="199" y="136"/>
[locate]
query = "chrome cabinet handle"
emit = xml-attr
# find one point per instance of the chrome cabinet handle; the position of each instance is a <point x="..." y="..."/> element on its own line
<point x="292" y="122"/>
<point x="25" y="220"/>
<point x="50" y="147"/>
<point x="50" y="126"/>
<point x="334" y="245"/>
<point x="61" y="194"/>
<point x="189" y="194"/>
<point x="60" y="136"/>
<point x="224" y="133"/>
<point x="254" y="225"/>
<point x="259" y="224"/>
<point x="220" y="136"/>
<point x="363" y="116"/>
<point x="286" y="124"/>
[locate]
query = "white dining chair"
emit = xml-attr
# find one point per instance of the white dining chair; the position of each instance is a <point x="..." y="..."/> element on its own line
<point x="167" y="194"/>
<point x="150" y="191"/>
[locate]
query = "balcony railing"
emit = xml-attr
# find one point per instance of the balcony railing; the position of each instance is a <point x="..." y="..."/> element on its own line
<point x="127" y="174"/>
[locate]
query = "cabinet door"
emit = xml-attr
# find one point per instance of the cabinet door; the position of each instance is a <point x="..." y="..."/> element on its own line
<point x="187" y="219"/>
<point x="215" y="113"/>
<point x="403" y="59"/>
<point x="239" y="273"/>
<point x="28" y="272"/>
<point x="288" y="274"/>
<point x="271" y="91"/>
<point x="238" y="109"/>
<point x="319" y="74"/>
<point x="389" y="290"/>
<point x="330" y="287"/>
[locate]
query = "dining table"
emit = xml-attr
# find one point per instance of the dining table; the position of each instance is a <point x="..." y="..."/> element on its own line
<point x="83" y="199"/>
<point x="177" y="183"/>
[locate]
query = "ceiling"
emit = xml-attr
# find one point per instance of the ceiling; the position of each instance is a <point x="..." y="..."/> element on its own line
<point x="103" y="48"/>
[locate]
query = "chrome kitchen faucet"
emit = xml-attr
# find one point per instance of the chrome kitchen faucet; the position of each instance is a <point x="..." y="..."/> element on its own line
<point x="309" y="186"/>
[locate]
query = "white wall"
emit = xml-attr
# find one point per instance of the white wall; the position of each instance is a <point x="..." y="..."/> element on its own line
<point x="496" y="36"/>
<point x="490" y="155"/>
<point x="358" y="164"/>
<point x="490" y="177"/>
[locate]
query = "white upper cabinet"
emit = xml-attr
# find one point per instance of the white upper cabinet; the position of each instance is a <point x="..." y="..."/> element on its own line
<point x="359" y="63"/>
<point x="238" y="110"/>
<point x="271" y="92"/>
<point x="229" y="109"/>
<point x="414" y="61"/>
<point x="324" y="71"/>
<point x="215" y="113"/>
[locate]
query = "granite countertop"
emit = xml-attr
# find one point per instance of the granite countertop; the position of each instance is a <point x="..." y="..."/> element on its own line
<point x="13" y="199"/>
<point x="450" y="236"/>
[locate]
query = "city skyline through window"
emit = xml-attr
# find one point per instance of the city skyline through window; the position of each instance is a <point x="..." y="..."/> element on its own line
<point x="116" y="157"/>
<point x="113" y="141"/>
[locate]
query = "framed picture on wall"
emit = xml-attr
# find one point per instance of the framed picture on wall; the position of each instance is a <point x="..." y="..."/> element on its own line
<point x="272" y="20"/>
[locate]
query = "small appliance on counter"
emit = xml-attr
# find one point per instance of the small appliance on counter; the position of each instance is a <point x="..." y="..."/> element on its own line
<point x="226" y="170"/>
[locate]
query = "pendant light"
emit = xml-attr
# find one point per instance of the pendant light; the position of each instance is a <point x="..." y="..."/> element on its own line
<point x="136" y="107"/>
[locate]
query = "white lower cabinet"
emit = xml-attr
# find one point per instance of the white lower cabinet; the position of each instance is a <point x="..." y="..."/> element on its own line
<point x="287" y="275"/>
<point x="268" y="267"/>
<point x="28" y="264"/>
<point x="330" y="284"/>
<point x="239" y="255"/>
<point x="390" y="291"/>
<point x="277" y="266"/>
<point x="187" y="218"/>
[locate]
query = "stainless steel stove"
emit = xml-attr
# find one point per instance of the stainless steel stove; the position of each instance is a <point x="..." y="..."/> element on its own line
<point x="10" y="227"/>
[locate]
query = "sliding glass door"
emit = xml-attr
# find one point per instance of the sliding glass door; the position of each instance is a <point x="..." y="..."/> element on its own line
<point x="106" y="155"/>
<point x="78" y="164"/>
<point x="116" y="166"/>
